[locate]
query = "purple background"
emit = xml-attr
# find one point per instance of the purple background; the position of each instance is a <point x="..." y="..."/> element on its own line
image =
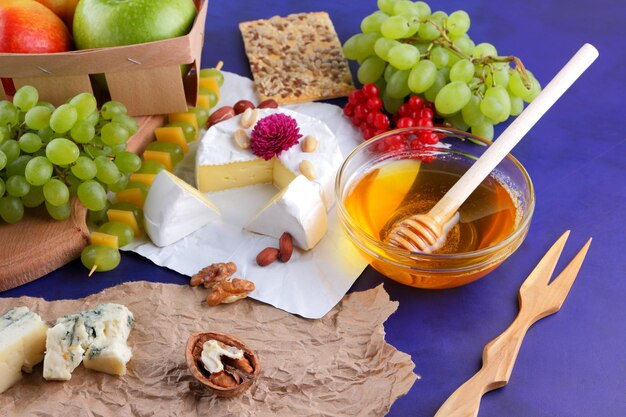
<point x="570" y="364"/>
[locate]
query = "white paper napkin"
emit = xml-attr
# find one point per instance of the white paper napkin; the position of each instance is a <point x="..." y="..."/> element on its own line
<point x="312" y="282"/>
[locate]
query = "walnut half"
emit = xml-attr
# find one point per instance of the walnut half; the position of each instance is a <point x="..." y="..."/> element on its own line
<point x="213" y="274"/>
<point x="229" y="291"/>
<point x="238" y="375"/>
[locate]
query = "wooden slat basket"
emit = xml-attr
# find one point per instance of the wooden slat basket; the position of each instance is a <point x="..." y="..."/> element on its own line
<point x="145" y="77"/>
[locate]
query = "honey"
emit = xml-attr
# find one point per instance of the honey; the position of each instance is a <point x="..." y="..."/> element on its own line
<point x="397" y="189"/>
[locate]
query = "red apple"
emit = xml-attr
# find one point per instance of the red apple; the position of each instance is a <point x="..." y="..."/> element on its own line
<point x="62" y="8"/>
<point x="30" y="27"/>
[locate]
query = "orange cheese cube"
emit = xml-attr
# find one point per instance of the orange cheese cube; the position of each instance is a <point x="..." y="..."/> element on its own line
<point x="142" y="178"/>
<point x="163" y="157"/>
<point x="203" y="101"/>
<point x="172" y="134"/>
<point x="185" y="117"/>
<point x="124" y="216"/>
<point x="104" y="239"/>
<point x="210" y="83"/>
<point x="136" y="196"/>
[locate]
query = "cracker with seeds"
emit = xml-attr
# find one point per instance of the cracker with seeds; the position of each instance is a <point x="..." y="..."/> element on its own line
<point x="296" y="58"/>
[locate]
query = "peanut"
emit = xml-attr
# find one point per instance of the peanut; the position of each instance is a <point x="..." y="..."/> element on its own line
<point x="242" y="139"/>
<point x="268" y="104"/>
<point x="221" y="114"/>
<point x="309" y="144"/>
<point x="307" y="169"/>
<point x="285" y="245"/>
<point x="267" y="256"/>
<point x="242" y="105"/>
<point x="249" y="118"/>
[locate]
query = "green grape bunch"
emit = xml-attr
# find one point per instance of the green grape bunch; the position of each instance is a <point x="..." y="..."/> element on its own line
<point x="49" y="154"/>
<point x="407" y="49"/>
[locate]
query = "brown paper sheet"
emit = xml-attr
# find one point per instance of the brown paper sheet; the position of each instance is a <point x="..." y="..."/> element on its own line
<point x="339" y="365"/>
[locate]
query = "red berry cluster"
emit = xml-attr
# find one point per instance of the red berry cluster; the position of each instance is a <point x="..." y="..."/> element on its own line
<point x="365" y="110"/>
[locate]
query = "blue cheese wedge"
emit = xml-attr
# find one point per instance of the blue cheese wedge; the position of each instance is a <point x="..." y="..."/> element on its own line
<point x="97" y="338"/>
<point x="65" y="346"/>
<point x="22" y="344"/>
<point x="110" y="326"/>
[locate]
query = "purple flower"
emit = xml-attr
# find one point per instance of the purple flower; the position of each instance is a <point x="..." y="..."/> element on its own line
<point x="273" y="134"/>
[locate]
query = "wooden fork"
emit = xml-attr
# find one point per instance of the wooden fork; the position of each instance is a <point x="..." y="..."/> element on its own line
<point x="537" y="299"/>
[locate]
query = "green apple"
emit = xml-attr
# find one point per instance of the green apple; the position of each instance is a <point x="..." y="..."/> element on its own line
<point x="106" y="23"/>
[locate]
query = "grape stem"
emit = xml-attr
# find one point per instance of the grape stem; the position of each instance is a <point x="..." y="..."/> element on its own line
<point x="59" y="172"/>
<point x="445" y="42"/>
<point x="519" y="66"/>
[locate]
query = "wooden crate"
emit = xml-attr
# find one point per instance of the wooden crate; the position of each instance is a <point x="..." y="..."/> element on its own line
<point x="145" y="77"/>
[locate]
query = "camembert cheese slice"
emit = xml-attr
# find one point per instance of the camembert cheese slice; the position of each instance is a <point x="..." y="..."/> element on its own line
<point x="174" y="209"/>
<point x="22" y="344"/>
<point x="298" y="209"/>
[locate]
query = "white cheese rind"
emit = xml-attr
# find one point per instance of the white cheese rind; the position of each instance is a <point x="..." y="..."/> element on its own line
<point x="173" y="210"/>
<point x="22" y="344"/>
<point x="217" y="147"/>
<point x="298" y="210"/>
<point x="95" y="337"/>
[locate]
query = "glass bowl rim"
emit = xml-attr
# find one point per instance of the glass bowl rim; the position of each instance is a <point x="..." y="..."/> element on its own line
<point x="405" y="254"/>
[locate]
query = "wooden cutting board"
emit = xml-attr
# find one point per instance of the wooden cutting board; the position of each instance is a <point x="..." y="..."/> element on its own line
<point x="38" y="244"/>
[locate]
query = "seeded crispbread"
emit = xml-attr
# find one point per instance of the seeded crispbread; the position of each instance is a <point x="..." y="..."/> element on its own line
<point x="296" y="58"/>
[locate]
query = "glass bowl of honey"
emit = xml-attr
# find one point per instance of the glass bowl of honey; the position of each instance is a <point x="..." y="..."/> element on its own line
<point x="396" y="175"/>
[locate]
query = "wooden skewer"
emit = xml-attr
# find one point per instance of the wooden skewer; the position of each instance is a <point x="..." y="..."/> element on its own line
<point x="219" y="65"/>
<point x="93" y="269"/>
<point x="424" y="232"/>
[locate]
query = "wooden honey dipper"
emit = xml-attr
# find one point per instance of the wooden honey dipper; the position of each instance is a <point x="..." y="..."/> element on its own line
<point x="425" y="232"/>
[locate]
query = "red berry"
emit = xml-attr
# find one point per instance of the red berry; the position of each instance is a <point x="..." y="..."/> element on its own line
<point x="394" y="139"/>
<point x="360" y="112"/>
<point x="355" y="97"/>
<point x="397" y="146"/>
<point x="404" y="110"/>
<point x="415" y="114"/>
<point x="370" y="90"/>
<point x="367" y="131"/>
<point x="430" y="138"/>
<point x="427" y="113"/>
<point x="382" y="146"/>
<point x="415" y="102"/>
<point x="425" y="122"/>
<point x="379" y="131"/>
<point x="381" y="121"/>
<point x="416" y="144"/>
<point x="405" y="122"/>
<point x="348" y="109"/>
<point x="374" y="103"/>
<point x="439" y="135"/>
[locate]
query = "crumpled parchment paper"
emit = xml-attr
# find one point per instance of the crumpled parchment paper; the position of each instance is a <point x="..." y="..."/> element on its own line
<point x="339" y="365"/>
